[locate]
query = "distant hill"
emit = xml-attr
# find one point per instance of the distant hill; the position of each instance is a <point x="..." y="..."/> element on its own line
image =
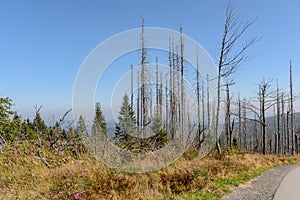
<point x="270" y="122"/>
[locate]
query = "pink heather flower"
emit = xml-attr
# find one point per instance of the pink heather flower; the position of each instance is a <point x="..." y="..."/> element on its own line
<point x="77" y="196"/>
<point x="60" y="193"/>
<point x="64" y="169"/>
<point x="6" y="165"/>
<point x="156" y="195"/>
<point x="62" y="154"/>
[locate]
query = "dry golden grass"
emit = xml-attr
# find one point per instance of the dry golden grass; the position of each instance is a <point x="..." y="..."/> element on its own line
<point x="23" y="175"/>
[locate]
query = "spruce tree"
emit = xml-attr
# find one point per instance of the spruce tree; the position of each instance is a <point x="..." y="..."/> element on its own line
<point x="99" y="131"/>
<point x="81" y="130"/>
<point x="126" y="126"/>
<point x="81" y="126"/>
<point x="5" y="122"/>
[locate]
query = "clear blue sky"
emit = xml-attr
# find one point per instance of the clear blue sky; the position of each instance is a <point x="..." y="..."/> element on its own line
<point x="43" y="43"/>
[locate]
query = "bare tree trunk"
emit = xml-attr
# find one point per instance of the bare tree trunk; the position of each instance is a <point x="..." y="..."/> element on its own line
<point x="198" y="97"/>
<point x="167" y="106"/>
<point x="157" y="88"/>
<point x="275" y="132"/>
<point x="279" y="138"/>
<point x="178" y="84"/>
<point x="160" y="97"/>
<point x="229" y="61"/>
<point x="131" y="86"/>
<point x="207" y="99"/>
<point x="256" y="135"/>
<point x="182" y="81"/>
<point x="292" y="109"/>
<point x="138" y="104"/>
<point x="240" y="119"/>
<point x="144" y="90"/>
<point x="263" y="90"/>
<point x="171" y="110"/>
<point x="150" y="102"/>
<point x="218" y="102"/>
<point x="288" y="132"/>
<point x="245" y="124"/>
<point x="283" y="127"/>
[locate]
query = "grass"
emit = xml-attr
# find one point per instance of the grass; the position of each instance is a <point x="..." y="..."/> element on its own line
<point x="24" y="175"/>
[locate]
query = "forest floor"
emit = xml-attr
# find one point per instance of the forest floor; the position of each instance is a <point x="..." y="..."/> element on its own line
<point x="28" y="171"/>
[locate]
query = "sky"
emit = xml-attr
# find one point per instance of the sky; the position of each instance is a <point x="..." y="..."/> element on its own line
<point x="44" y="43"/>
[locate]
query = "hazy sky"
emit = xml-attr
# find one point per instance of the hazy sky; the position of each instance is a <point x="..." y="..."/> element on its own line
<point x="43" y="43"/>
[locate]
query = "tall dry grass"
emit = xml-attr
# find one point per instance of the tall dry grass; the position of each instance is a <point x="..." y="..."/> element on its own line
<point x="28" y="171"/>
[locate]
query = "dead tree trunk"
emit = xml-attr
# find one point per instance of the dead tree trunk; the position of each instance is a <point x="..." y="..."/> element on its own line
<point x="229" y="61"/>
<point x="131" y="78"/>
<point x="292" y="110"/>
<point x="182" y="81"/>
<point x="279" y="138"/>
<point x="245" y="124"/>
<point x="240" y="120"/>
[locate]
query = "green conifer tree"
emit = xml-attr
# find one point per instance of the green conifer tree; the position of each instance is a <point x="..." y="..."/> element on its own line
<point x="126" y="126"/>
<point x="99" y="130"/>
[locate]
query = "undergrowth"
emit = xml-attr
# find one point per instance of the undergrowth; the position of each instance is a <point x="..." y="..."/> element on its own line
<point x="29" y="171"/>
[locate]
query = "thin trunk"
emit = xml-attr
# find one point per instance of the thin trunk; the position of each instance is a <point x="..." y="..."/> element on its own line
<point x="182" y="81"/>
<point x="240" y="119"/>
<point x="283" y="127"/>
<point x="275" y="132"/>
<point x="150" y="102"/>
<point x="279" y="138"/>
<point x="227" y="118"/>
<point x="160" y="97"/>
<point x="138" y="104"/>
<point x="171" y="109"/>
<point x="292" y="109"/>
<point x="203" y="109"/>
<point x="157" y="87"/>
<point x="144" y="90"/>
<point x="207" y="99"/>
<point x="198" y="96"/>
<point x="245" y="124"/>
<point x="256" y="136"/>
<point x="131" y="86"/>
<point x="167" y="107"/>
<point x="288" y="132"/>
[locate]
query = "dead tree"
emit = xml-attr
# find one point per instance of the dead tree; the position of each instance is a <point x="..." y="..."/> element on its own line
<point x="171" y="90"/>
<point x="266" y="100"/>
<point x="131" y="80"/>
<point x="200" y="128"/>
<point x="240" y="119"/>
<point x="283" y="126"/>
<point x="207" y="100"/>
<point x="275" y="131"/>
<point x="245" y="123"/>
<point x="292" y="110"/>
<point x="157" y="88"/>
<point x="182" y="81"/>
<point x="231" y="58"/>
<point x="144" y="88"/>
<point x="228" y="124"/>
<point x="279" y="135"/>
<point x="198" y="97"/>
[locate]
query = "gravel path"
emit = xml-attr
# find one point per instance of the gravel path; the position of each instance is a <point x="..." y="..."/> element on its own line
<point x="261" y="188"/>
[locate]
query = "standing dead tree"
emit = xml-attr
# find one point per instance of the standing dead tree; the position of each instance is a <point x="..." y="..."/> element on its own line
<point x="230" y="57"/>
<point x="266" y="99"/>
<point x="228" y="123"/>
<point x="292" y="110"/>
<point x="200" y="129"/>
<point x="182" y="103"/>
